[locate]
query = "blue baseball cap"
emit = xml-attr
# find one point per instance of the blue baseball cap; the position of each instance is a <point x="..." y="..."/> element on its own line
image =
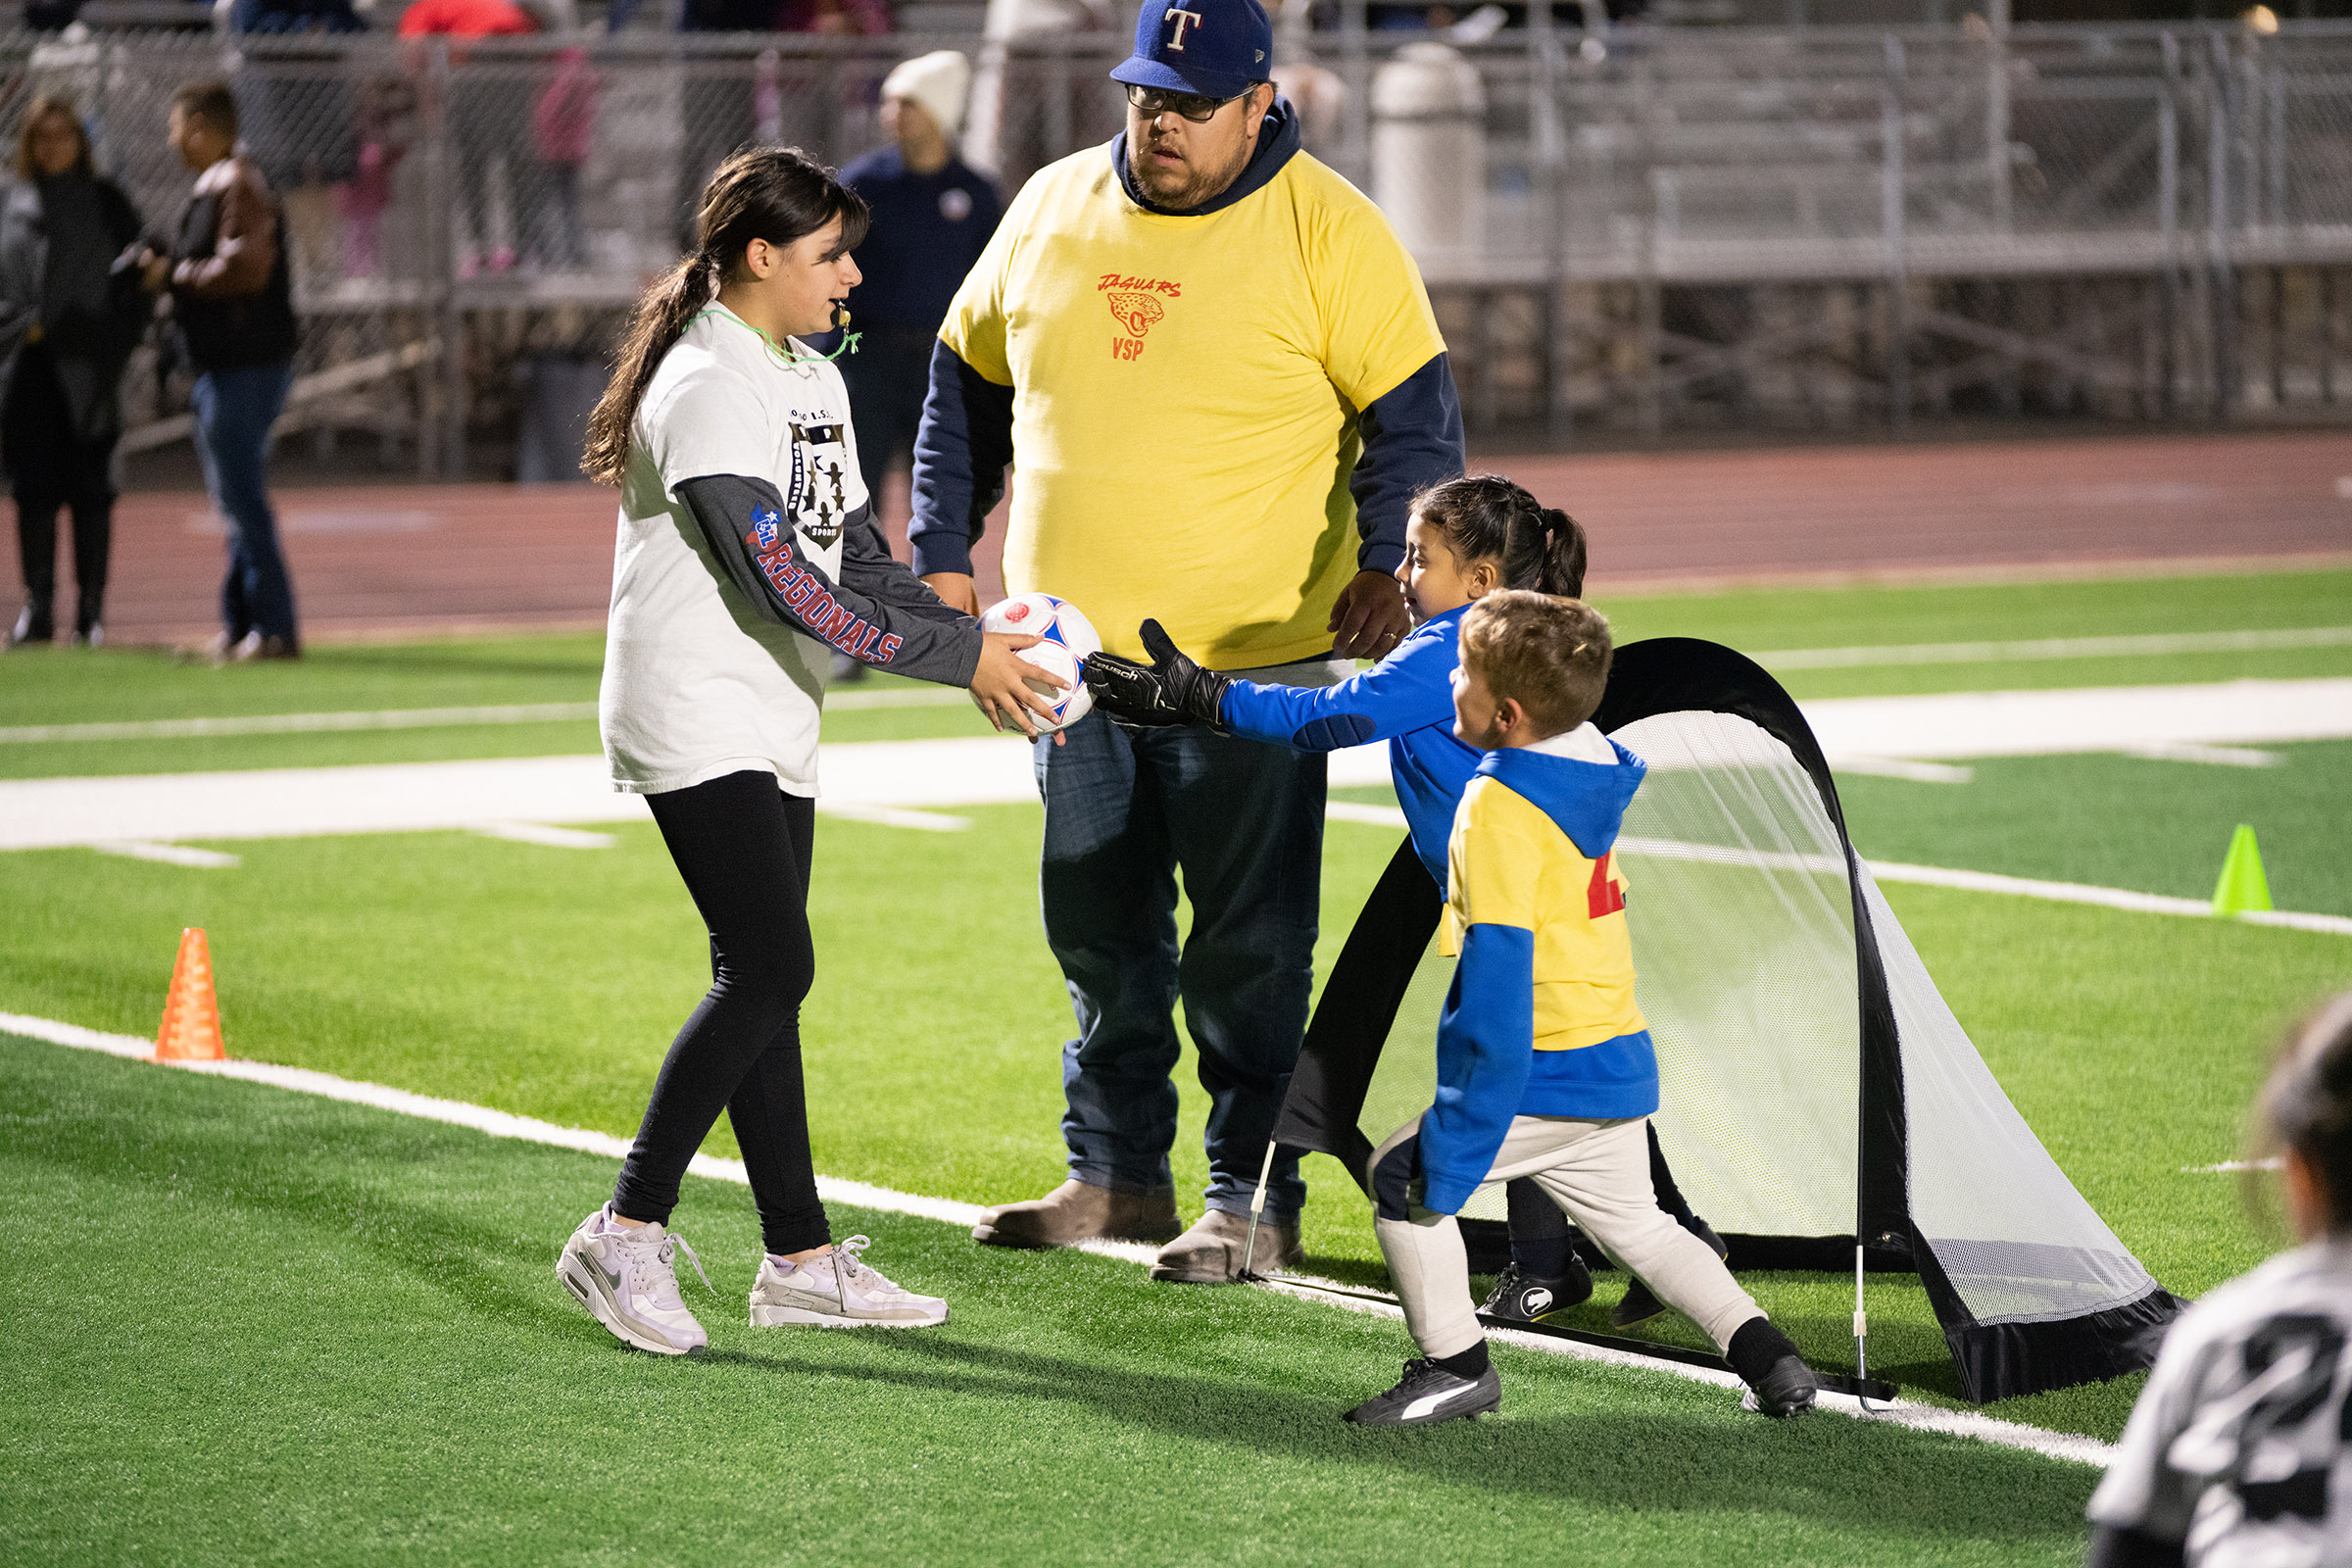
<point x="1215" y="48"/>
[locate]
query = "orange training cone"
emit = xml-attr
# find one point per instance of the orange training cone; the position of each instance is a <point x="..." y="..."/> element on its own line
<point x="191" y="1030"/>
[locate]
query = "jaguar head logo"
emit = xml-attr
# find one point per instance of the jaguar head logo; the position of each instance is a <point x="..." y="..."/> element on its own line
<point x="1136" y="312"/>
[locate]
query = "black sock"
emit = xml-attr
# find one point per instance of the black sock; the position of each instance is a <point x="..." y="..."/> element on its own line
<point x="1756" y="1348"/>
<point x="1539" y="1234"/>
<point x="1541" y="1257"/>
<point x="1661" y="1182"/>
<point x="1470" y="1364"/>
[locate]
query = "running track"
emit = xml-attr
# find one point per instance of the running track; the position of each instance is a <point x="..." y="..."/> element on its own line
<point x="372" y="560"/>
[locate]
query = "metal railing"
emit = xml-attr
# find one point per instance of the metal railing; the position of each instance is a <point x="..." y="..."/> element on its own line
<point x="454" y="210"/>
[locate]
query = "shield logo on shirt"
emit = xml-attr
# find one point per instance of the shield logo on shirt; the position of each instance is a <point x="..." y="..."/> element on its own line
<point x="821" y="465"/>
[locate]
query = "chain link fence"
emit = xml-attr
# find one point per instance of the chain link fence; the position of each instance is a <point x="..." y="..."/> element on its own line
<point x="1667" y="227"/>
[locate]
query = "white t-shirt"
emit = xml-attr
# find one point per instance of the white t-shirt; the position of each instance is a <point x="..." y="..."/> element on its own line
<point x="697" y="683"/>
<point x="2236" y="1447"/>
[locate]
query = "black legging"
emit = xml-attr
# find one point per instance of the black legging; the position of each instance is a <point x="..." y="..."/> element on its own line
<point x="743" y="847"/>
<point x="1540" y="1234"/>
<point x="51" y="465"/>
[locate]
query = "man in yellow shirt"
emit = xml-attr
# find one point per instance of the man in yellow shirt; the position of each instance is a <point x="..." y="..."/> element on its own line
<point x="1219" y="375"/>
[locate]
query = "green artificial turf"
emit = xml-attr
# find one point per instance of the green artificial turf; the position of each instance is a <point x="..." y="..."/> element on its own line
<point x="548" y="982"/>
<point x="2124" y="822"/>
<point x="64" y="686"/>
<point x="252" y="1326"/>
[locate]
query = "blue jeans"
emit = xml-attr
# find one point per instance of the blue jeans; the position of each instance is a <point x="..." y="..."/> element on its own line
<point x="234" y="410"/>
<point x="1243" y="821"/>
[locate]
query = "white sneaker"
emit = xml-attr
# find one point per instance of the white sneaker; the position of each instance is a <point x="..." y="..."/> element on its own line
<point x="628" y="1279"/>
<point x="838" y="1291"/>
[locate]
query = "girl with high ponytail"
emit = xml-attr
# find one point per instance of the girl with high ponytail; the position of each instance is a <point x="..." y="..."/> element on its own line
<point x="747" y="558"/>
<point x="2240" y="1448"/>
<point x="1465" y="539"/>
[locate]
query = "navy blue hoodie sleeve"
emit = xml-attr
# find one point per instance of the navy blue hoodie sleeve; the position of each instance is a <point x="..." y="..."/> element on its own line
<point x="961" y="451"/>
<point x="1412" y="689"/>
<point x="1412" y="438"/>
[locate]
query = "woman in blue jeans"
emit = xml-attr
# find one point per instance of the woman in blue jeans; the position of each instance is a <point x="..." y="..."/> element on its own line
<point x="232" y="305"/>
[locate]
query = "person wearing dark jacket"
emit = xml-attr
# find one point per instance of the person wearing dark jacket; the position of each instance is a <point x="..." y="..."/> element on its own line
<point x="933" y="216"/>
<point x="233" y="304"/>
<point x="69" y="320"/>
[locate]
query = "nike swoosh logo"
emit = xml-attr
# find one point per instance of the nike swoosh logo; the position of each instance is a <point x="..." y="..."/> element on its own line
<point x="1430" y="1404"/>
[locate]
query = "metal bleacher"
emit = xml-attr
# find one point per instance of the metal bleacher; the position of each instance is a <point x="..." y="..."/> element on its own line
<point x="1682" y="226"/>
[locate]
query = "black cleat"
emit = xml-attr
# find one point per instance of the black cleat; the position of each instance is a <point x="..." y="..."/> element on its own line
<point x="1786" y="1390"/>
<point x="1525" y="1297"/>
<point x="1638" y="1306"/>
<point x="1428" y="1393"/>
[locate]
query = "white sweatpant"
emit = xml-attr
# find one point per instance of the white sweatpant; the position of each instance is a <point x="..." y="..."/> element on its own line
<point x="1599" y="1173"/>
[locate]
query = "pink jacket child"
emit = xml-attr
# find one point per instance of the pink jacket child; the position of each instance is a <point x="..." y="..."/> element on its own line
<point x="363" y="199"/>
<point x="562" y="123"/>
<point x="565" y="118"/>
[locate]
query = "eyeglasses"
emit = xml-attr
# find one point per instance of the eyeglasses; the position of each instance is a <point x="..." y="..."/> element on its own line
<point x="1189" y="105"/>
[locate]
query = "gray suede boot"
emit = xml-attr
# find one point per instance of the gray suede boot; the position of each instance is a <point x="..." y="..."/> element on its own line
<point x="1210" y="1252"/>
<point x="1077" y="1212"/>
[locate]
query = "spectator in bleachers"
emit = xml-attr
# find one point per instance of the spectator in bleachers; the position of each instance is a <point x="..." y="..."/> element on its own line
<point x="721" y="112"/>
<point x="933" y="216"/>
<point x="232" y="309"/>
<point x="70" y="317"/>
<point x="563" y="119"/>
<point x="1012" y="129"/>
<point x="297" y="110"/>
<point x="380" y="127"/>
<point x="487" y="115"/>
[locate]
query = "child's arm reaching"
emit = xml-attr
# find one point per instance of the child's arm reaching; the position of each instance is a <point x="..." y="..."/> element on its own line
<point x="1410" y="689"/>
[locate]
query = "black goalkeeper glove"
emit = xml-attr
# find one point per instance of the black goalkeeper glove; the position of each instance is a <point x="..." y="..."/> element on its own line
<point x="1170" y="690"/>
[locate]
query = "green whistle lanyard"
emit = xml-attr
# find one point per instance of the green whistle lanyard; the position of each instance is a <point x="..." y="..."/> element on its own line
<point x="784" y="356"/>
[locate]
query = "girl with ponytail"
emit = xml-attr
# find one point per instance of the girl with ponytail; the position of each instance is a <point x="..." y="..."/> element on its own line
<point x="1465" y="539"/>
<point x="2240" y="1448"/>
<point x="748" y="556"/>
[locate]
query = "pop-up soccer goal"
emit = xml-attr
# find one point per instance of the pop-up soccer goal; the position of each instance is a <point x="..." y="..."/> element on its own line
<point x="1819" y="1104"/>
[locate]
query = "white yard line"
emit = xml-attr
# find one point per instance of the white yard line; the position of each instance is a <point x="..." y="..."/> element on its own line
<point x="170" y="854"/>
<point x="1953" y="726"/>
<point x="553" y="838"/>
<point x="2034" y="650"/>
<point x="1921" y="734"/>
<point x="1982" y="1427"/>
<point x="2109" y="898"/>
<point x="162" y="729"/>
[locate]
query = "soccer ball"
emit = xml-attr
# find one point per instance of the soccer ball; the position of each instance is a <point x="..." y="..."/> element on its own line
<point x="1067" y="638"/>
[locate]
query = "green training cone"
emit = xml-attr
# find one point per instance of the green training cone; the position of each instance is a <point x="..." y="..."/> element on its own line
<point x="2242" y="886"/>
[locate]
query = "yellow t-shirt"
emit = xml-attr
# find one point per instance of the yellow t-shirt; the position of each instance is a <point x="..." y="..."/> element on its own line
<point x="1185" y="397"/>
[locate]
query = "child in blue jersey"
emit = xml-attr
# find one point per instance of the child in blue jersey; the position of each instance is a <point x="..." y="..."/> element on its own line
<point x="1465" y="539"/>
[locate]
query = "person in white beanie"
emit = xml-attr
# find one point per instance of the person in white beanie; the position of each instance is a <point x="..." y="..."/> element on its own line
<point x="931" y="215"/>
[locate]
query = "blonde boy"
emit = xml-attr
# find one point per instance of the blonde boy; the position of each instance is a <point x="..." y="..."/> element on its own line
<point x="1544" y="1066"/>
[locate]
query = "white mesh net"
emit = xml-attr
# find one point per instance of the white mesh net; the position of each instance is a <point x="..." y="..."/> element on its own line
<point x="2019" y="1242"/>
<point x="1743" y="939"/>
